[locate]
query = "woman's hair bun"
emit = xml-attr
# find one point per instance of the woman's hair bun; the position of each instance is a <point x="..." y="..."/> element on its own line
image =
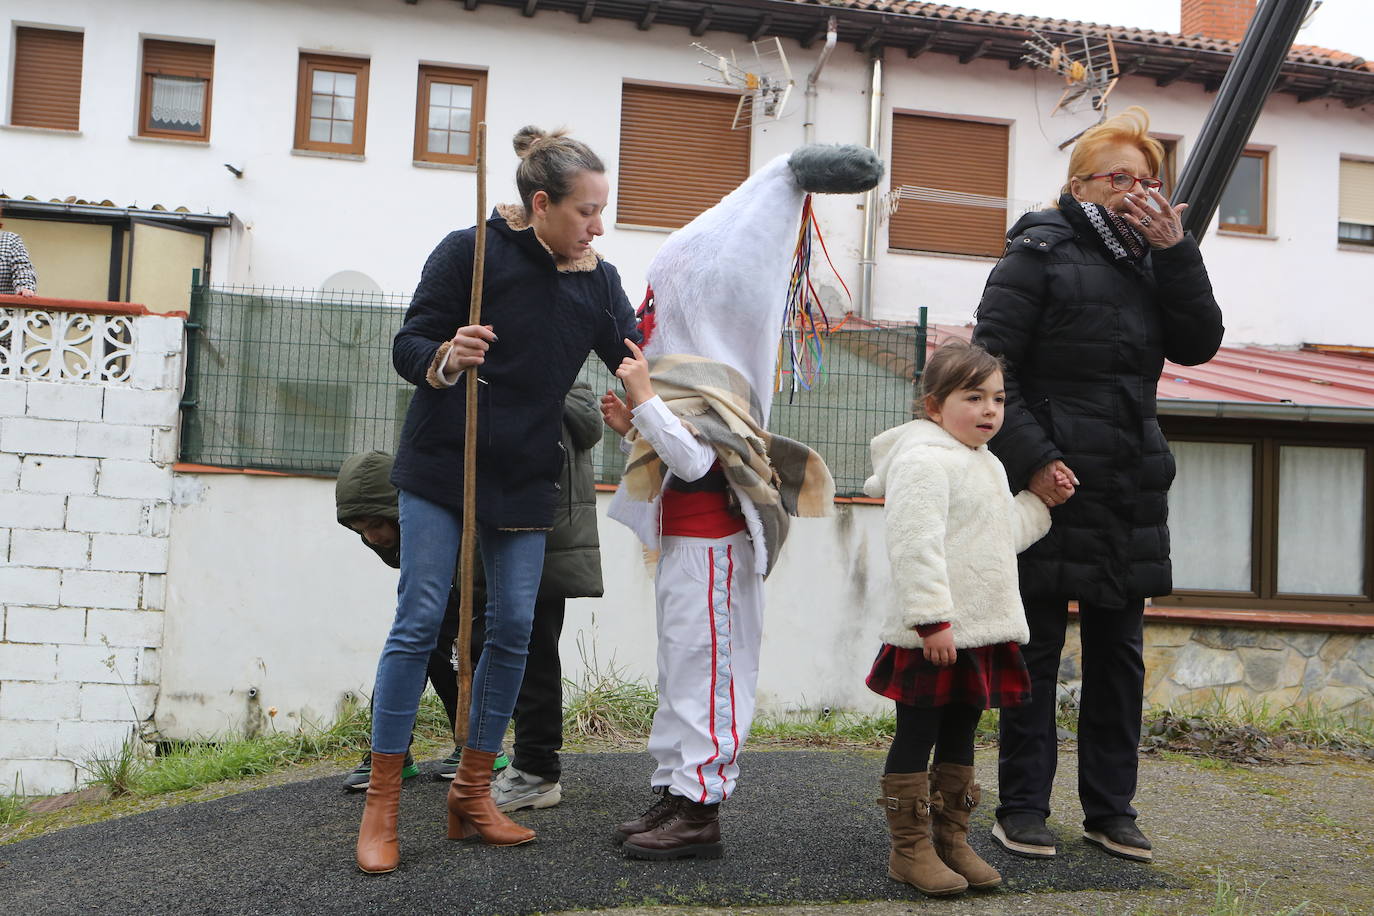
<point x="526" y="138"/>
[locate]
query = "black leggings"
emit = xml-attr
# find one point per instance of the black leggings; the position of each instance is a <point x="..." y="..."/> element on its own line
<point x="948" y="729"/>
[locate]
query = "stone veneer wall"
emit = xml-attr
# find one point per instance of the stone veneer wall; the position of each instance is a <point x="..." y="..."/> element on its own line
<point x="88" y="429"/>
<point x="1191" y="665"/>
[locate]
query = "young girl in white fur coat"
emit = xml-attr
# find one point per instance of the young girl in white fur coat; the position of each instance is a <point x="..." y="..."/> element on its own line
<point x="950" y="643"/>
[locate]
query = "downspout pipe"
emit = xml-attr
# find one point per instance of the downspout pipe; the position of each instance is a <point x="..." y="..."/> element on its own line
<point x="832" y="35"/>
<point x="868" y="254"/>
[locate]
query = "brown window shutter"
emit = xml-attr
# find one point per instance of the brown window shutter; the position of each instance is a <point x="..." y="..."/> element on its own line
<point x="176" y="58"/>
<point x="678" y="154"/>
<point x="47" y="78"/>
<point x="949" y="155"/>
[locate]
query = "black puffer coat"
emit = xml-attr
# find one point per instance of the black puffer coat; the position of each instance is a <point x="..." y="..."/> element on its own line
<point x="1085" y="337"/>
<point x="547" y="314"/>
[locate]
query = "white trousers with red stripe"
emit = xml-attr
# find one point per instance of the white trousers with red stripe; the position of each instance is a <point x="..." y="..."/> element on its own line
<point x="710" y="629"/>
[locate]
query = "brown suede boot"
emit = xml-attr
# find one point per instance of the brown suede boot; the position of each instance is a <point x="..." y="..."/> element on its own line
<point x="471" y="811"/>
<point x="692" y="830"/>
<point x="959" y="795"/>
<point x="378" y="849"/>
<point x="906" y="802"/>
<point x="656" y="814"/>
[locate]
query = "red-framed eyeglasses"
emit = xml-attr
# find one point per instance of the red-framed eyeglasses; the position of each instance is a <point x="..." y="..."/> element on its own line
<point x="1124" y="181"/>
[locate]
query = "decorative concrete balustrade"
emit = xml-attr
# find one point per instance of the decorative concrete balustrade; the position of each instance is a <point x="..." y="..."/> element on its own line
<point x="89" y="395"/>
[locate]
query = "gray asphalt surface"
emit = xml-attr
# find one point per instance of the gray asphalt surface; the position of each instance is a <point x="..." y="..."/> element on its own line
<point x="802" y="827"/>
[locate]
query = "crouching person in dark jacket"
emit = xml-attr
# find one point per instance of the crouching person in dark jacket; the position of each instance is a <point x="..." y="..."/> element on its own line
<point x="366" y="503"/>
<point x="1089" y="300"/>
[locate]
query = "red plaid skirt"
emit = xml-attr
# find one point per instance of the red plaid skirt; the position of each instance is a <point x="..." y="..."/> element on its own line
<point x="984" y="677"/>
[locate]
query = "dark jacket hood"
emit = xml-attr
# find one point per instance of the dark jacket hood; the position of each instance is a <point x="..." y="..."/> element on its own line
<point x="363" y="489"/>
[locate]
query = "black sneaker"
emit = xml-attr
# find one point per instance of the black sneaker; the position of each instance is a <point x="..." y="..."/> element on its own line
<point x="1023" y="833"/>
<point x="448" y="767"/>
<point x="358" y="780"/>
<point x="1119" y="836"/>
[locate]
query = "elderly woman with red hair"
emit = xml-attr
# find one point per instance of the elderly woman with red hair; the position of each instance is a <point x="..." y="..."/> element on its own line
<point x="1090" y="298"/>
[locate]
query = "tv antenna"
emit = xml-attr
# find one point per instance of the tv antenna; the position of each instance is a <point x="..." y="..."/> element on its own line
<point x="1088" y="65"/>
<point x="764" y="79"/>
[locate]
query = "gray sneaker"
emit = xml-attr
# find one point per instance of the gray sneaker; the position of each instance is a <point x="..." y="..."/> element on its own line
<point x="514" y="789"/>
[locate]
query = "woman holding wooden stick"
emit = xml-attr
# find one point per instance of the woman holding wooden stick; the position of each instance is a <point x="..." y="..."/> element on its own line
<point x="548" y="299"/>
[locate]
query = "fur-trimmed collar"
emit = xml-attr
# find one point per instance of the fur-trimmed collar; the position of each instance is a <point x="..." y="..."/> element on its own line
<point x="514" y="215"/>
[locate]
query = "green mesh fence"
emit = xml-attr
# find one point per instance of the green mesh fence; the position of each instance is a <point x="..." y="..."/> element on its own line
<point x="296" y="380"/>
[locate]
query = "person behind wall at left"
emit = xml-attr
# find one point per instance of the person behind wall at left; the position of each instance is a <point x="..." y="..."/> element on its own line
<point x="366" y="502"/>
<point x="17" y="276"/>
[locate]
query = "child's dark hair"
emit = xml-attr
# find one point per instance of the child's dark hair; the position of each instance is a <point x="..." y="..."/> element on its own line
<point x="549" y="161"/>
<point x="955" y="365"/>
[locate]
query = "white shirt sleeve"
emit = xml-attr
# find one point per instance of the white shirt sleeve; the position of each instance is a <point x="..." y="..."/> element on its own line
<point x="685" y="455"/>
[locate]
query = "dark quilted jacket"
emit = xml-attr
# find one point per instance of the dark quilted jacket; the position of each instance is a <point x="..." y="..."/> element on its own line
<point x="1085" y="338"/>
<point x="547" y="321"/>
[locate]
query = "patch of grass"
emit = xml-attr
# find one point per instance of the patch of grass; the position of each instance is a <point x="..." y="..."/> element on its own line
<point x="119" y="769"/>
<point x="825" y="728"/>
<point x="1254" y="732"/>
<point x="605" y="705"/>
<point x="13" y="807"/>
<point x="1232" y="901"/>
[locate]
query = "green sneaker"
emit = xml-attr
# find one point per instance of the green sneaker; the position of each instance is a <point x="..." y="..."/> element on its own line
<point x="448" y="767"/>
<point x="358" y="780"/>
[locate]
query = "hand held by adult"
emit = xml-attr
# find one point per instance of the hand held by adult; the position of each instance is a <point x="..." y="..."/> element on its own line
<point x="1054" y="483"/>
<point x="1162" y="229"/>
<point x="468" y="347"/>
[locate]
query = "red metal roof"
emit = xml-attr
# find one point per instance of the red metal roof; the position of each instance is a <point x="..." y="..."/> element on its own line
<point x="1254" y="375"/>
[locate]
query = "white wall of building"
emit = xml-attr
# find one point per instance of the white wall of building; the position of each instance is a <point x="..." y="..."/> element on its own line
<point x="85" y="506"/>
<point x="273" y="604"/>
<point x="306" y="218"/>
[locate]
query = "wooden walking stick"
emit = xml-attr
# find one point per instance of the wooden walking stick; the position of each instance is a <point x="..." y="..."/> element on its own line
<point x="463" y="644"/>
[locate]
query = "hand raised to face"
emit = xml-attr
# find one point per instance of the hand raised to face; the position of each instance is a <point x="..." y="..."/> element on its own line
<point x="1162" y="229"/>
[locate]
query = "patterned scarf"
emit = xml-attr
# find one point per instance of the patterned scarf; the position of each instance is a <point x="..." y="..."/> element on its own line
<point x="1119" y="236"/>
<point x="780" y="476"/>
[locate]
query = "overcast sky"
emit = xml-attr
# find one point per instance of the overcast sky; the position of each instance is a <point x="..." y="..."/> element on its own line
<point x="1347" y="25"/>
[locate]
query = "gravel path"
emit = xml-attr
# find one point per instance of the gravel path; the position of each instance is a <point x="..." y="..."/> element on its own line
<point x="802" y="837"/>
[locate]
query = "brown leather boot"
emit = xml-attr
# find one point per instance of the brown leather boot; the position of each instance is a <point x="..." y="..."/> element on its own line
<point x="656" y="814"/>
<point x="906" y="802"/>
<point x="959" y="795"/>
<point x="378" y="849"/>
<point x="471" y="811"/>
<point x="692" y="830"/>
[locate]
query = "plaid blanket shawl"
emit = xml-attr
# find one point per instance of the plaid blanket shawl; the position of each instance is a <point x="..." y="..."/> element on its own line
<point x="780" y="476"/>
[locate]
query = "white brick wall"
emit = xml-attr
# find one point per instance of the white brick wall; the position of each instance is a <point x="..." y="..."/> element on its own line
<point x="105" y="514"/>
<point x="27" y="436"/>
<point x="85" y="490"/>
<point x="12" y="398"/>
<point x="45" y="624"/>
<point x="65" y="401"/>
<point x="63" y="549"/>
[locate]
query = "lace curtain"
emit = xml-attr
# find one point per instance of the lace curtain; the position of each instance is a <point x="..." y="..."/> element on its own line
<point x="1211" y="511"/>
<point x="178" y="102"/>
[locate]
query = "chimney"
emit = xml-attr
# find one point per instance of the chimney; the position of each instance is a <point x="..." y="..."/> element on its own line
<point x="1224" y="19"/>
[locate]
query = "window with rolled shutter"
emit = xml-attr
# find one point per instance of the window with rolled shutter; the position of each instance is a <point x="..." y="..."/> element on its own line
<point x="47" y="79"/>
<point x="955" y="178"/>
<point x="177" y="77"/>
<point x="678" y="153"/>
<point x="1357" y="202"/>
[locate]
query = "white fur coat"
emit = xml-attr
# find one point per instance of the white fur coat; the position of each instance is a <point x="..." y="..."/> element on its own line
<point x="953" y="533"/>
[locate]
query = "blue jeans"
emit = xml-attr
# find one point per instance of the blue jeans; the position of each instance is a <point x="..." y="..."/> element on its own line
<point x="514" y="564"/>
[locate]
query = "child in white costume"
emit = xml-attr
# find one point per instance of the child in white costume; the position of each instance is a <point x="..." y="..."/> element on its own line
<point x="950" y="648"/>
<point x="706" y="484"/>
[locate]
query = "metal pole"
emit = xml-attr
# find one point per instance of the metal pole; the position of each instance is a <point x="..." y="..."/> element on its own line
<point x="466" y="549"/>
<point x="868" y="255"/>
<point x="1239" y="101"/>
